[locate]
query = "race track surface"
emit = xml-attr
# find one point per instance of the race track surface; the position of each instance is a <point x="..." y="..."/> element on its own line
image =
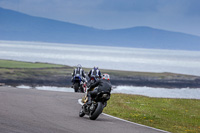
<point x="36" y="111"/>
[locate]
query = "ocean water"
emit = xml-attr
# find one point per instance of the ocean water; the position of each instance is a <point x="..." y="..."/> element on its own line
<point x="184" y="93"/>
<point x="117" y="58"/>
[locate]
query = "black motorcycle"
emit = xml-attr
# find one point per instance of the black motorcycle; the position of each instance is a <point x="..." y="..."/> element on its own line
<point x="97" y="106"/>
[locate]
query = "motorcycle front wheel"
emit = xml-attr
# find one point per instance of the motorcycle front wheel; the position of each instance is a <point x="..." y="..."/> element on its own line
<point x="81" y="113"/>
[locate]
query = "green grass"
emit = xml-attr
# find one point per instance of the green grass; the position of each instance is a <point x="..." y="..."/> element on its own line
<point x="19" y="64"/>
<point x="15" y="70"/>
<point x="174" y="115"/>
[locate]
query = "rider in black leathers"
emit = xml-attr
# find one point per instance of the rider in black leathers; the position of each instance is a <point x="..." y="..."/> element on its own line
<point x="102" y="85"/>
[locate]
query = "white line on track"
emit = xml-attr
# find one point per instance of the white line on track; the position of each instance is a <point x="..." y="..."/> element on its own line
<point x="79" y="101"/>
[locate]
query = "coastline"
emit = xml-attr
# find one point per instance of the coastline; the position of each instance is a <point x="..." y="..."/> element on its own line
<point x="44" y="74"/>
<point x="153" y="84"/>
<point x="65" y="81"/>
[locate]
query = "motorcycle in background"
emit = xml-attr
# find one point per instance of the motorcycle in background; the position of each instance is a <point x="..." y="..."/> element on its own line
<point x="78" y="84"/>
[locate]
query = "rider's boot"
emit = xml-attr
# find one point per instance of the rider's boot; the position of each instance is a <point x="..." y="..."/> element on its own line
<point x="89" y="102"/>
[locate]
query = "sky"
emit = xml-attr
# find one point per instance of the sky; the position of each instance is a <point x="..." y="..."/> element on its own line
<point x="173" y="15"/>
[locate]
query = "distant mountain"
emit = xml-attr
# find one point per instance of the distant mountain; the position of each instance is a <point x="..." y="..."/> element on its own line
<point x="21" y="27"/>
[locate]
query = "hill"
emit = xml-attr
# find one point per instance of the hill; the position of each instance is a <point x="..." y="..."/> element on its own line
<point x="21" y="27"/>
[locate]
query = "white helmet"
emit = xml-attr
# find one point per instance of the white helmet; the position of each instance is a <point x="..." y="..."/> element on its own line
<point x="79" y="66"/>
<point x="106" y="76"/>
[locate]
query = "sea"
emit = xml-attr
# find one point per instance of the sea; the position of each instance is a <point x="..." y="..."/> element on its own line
<point x="104" y="57"/>
<point x="183" y="93"/>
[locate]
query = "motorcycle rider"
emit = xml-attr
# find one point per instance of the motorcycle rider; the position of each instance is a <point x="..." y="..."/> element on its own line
<point x="94" y="72"/>
<point x="79" y="70"/>
<point x="102" y="84"/>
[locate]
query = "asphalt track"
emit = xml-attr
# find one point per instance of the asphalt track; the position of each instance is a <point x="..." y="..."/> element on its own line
<point x="36" y="111"/>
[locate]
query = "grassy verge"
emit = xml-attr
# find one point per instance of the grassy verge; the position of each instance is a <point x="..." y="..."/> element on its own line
<point x="174" y="115"/>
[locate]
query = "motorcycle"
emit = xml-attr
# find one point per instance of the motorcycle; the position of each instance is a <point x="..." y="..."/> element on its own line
<point x="93" y="79"/>
<point x="99" y="102"/>
<point x="78" y="84"/>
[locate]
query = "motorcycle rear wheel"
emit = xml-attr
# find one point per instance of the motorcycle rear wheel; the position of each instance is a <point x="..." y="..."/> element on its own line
<point x="97" y="111"/>
<point x="82" y="89"/>
<point x="76" y="86"/>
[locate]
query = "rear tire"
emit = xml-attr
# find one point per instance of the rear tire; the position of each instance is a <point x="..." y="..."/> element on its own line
<point x="97" y="112"/>
<point x="82" y="89"/>
<point x="76" y="86"/>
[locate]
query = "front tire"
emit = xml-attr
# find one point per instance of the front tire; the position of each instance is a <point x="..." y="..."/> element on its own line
<point x="97" y="112"/>
<point x="81" y="113"/>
